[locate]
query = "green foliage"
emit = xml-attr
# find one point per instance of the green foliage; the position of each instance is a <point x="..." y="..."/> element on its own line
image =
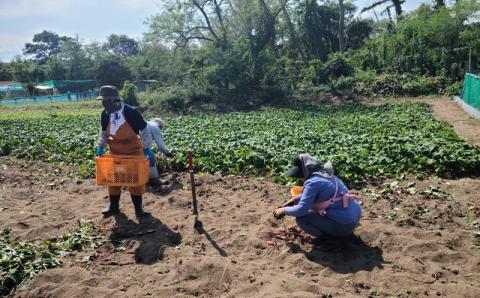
<point x="46" y="45"/>
<point x="112" y="71"/>
<point x="121" y="45"/>
<point x="364" y="142"/>
<point x="20" y="261"/>
<point x="337" y="66"/>
<point x="454" y="89"/>
<point x="390" y="84"/>
<point x="128" y="93"/>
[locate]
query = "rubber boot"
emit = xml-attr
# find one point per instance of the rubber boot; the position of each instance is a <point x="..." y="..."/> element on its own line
<point x="113" y="206"/>
<point x="137" y="204"/>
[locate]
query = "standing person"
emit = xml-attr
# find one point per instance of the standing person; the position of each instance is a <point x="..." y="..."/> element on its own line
<point x="156" y="127"/>
<point x="326" y="207"/>
<point x="125" y="132"/>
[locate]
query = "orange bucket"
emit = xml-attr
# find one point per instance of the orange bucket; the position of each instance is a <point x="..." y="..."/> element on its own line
<point x="296" y="190"/>
<point x="121" y="170"/>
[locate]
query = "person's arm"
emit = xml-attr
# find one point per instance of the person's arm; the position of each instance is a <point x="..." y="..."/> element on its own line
<point x="157" y="135"/>
<point x="146" y="136"/>
<point x="310" y="191"/>
<point x="102" y="139"/>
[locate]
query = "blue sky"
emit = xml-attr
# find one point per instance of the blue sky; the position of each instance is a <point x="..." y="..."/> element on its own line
<point x="90" y="19"/>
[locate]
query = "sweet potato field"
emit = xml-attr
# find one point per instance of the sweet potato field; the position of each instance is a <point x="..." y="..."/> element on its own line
<point x="364" y="142"/>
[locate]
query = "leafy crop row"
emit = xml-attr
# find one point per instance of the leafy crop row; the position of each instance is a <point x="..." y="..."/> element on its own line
<point x="363" y="142"/>
<point x="20" y="261"/>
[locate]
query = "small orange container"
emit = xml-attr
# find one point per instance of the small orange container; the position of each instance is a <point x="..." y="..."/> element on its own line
<point x="296" y="190"/>
<point x="121" y="170"/>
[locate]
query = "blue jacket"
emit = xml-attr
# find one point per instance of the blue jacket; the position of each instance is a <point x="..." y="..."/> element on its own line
<point x="318" y="189"/>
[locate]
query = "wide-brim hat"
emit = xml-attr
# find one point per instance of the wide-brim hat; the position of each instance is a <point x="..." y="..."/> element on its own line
<point x="108" y="92"/>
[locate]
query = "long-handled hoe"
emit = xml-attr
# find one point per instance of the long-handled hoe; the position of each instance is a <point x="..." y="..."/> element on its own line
<point x="198" y="224"/>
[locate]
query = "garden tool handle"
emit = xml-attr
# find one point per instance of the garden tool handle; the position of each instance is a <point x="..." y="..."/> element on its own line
<point x="190" y="160"/>
<point x="192" y="181"/>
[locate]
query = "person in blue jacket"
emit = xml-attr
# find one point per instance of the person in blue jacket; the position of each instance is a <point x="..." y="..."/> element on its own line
<point x="326" y="207"/>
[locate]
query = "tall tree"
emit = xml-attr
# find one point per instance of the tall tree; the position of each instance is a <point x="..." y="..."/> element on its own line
<point x="46" y="45"/>
<point x="341" y="26"/>
<point x="121" y="45"/>
<point x="438" y="4"/>
<point x="397" y="4"/>
<point x="185" y="21"/>
<point x="112" y="71"/>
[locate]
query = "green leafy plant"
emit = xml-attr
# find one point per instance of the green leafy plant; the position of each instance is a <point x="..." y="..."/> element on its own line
<point x="20" y="261"/>
<point x="364" y="142"/>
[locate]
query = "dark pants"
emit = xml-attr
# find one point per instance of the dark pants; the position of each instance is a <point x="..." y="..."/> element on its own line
<point x="317" y="225"/>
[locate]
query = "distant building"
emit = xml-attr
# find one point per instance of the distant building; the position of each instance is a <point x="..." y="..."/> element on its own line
<point x="142" y="85"/>
<point x="11" y="88"/>
<point x="67" y="85"/>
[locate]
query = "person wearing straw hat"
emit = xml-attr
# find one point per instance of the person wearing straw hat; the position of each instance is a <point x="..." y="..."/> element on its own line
<point x="326" y="207"/>
<point x="125" y="132"/>
<point x="156" y="126"/>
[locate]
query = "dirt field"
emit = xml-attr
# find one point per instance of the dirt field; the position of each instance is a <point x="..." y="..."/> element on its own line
<point x="416" y="239"/>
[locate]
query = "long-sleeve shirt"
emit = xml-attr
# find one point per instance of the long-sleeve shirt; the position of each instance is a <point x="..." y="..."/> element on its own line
<point x="133" y="118"/>
<point x="318" y="189"/>
<point x="157" y="136"/>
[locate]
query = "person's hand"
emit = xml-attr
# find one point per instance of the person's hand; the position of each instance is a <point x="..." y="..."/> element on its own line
<point x="99" y="151"/>
<point x="279" y="213"/>
<point x="170" y="153"/>
<point x="148" y="153"/>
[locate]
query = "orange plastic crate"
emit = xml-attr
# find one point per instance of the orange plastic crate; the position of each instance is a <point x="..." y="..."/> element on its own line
<point x="121" y="170"/>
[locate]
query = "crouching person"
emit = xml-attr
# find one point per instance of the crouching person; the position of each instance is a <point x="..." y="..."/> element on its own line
<point x="326" y="207"/>
<point x="156" y="126"/>
<point x="125" y="132"/>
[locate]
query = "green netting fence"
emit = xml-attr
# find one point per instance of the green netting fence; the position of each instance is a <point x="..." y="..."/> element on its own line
<point x="471" y="90"/>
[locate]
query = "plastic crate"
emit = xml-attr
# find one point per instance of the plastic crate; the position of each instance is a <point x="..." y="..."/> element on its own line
<point x="121" y="170"/>
<point x="296" y="190"/>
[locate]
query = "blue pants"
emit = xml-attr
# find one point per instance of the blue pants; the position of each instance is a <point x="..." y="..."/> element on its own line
<point x="317" y="225"/>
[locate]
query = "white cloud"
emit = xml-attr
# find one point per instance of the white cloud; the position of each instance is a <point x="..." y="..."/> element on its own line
<point x="11" y="46"/>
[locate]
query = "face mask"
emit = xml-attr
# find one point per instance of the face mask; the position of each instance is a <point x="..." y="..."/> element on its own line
<point x="111" y="106"/>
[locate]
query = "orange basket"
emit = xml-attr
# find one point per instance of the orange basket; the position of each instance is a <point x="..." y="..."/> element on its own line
<point x="296" y="190"/>
<point x="121" y="170"/>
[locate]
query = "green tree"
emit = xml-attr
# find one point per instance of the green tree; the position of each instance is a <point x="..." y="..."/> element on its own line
<point x="5" y="74"/>
<point x="46" y="45"/>
<point x="121" y="45"/>
<point x="21" y="70"/>
<point x="112" y="71"/>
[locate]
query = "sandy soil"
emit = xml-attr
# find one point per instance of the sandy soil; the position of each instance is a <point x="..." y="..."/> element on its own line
<point x="409" y="243"/>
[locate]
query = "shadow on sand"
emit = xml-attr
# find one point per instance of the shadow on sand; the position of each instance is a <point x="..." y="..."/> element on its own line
<point x="150" y="232"/>
<point x="344" y="255"/>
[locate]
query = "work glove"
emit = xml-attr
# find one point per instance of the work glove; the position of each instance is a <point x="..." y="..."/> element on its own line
<point x="99" y="151"/>
<point x="149" y="154"/>
<point x="170" y="153"/>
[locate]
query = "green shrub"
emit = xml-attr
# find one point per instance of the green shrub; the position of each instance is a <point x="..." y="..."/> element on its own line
<point x="338" y="65"/>
<point x="454" y="89"/>
<point x="343" y="85"/>
<point x="419" y="86"/>
<point x="128" y="93"/>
